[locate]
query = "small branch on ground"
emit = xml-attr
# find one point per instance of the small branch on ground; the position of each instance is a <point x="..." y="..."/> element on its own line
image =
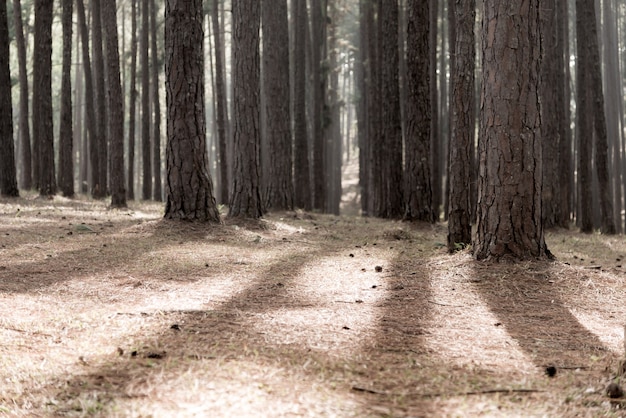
<point x="442" y="394"/>
<point x="444" y="304"/>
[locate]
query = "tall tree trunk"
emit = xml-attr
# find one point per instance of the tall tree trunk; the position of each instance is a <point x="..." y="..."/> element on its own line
<point x="42" y="97"/>
<point x="509" y="183"/>
<point x="245" y="200"/>
<point x="90" y="112"/>
<point x="462" y="127"/>
<point x="362" y="106"/>
<point x="318" y="79"/>
<point x="222" y="106"/>
<point x="156" y="108"/>
<point x="132" y="111"/>
<point x="566" y="173"/>
<point x="276" y="91"/>
<point x="334" y="146"/>
<point x="20" y="43"/>
<point x="8" y="178"/>
<point x="101" y="146"/>
<point x="302" y="179"/>
<point x="376" y="203"/>
<point x="66" y="135"/>
<point x="435" y="172"/>
<point x="189" y="188"/>
<point x="145" y="102"/>
<point x="116" y="106"/>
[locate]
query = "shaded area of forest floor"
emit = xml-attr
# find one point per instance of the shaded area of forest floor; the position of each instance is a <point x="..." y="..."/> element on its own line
<point x="118" y="313"/>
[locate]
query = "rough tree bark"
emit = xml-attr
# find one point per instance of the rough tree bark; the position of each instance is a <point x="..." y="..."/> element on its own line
<point x="66" y="135"/>
<point x="189" y="187"/>
<point x="156" y="108"/>
<point x="146" y="161"/>
<point x="101" y="144"/>
<point x="509" y="179"/>
<point x="132" y="111"/>
<point x="26" y="154"/>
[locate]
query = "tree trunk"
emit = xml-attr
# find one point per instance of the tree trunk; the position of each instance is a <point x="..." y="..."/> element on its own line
<point x="509" y="182"/>
<point x="26" y="154"/>
<point x="145" y="102"/>
<point x="132" y="122"/>
<point x="221" y="102"/>
<point x="376" y="205"/>
<point x="566" y="173"/>
<point x="362" y="106"/>
<point x="462" y="112"/>
<point x="276" y="91"/>
<point x="246" y="200"/>
<point x="435" y="172"/>
<point x="418" y="113"/>
<point x="318" y="80"/>
<point x="42" y="98"/>
<point x="156" y="108"/>
<point x="66" y="135"/>
<point x="189" y="187"/>
<point x="116" y="106"/>
<point x="302" y="179"/>
<point x="101" y="144"/>
<point x="8" y="179"/>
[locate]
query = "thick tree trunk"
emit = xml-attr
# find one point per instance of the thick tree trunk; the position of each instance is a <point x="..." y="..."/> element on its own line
<point x="26" y="154"/>
<point x="42" y="98"/>
<point x="509" y="183"/>
<point x="276" y="91"/>
<point x="376" y="203"/>
<point x="116" y="106"/>
<point x="462" y="127"/>
<point x="189" y="188"/>
<point x="318" y="80"/>
<point x="156" y="108"/>
<point x="302" y="178"/>
<point x="221" y="102"/>
<point x="566" y="173"/>
<point x="245" y="200"/>
<point x="66" y="135"/>
<point x="8" y="180"/>
<point x="362" y="106"/>
<point x="435" y="172"/>
<point x="418" y="193"/>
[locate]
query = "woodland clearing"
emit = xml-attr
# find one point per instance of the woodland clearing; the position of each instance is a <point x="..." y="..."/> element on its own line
<point x="119" y="313"/>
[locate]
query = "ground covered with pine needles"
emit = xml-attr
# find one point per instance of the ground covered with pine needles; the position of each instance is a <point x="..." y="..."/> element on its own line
<point x="118" y="313"/>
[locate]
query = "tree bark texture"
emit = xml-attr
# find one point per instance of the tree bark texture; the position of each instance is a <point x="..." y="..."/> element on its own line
<point x="146" y="159"/>
<point x="418" y="193"/>
<point x="435" y="172"/>
<point x="318" y="79"/>
<point x="277" y="103"/>
<point x="376" y="203"/>
<point x="8" y="178"/>
<point x="156" y="108"/>
<point x="116" y="106"/>
<point x="509" y="180"/>
<point x="362" y="106"/>
<point x="302" y="177"/>
<point x="26" y="154"/>
<point x="66" y="135"/>
<point x="189" y="187"/>
<point x="101" y="146"/>
<point x="245" y="200"/>
<point x="462" y="110"/>
<point x="132" y="111"/>
<point x="42" y="97"/>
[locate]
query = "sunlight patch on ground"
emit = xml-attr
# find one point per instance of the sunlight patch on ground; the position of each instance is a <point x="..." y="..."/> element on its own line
<point x="611" y="334"/>
<point x="327" y="317"/>
<point x="467" y="334"/>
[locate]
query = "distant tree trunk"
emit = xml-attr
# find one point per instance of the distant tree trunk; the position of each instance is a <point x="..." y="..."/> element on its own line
<point x="42" y="97"/>
<point x="318" y="79"/>
<point x="145" y="102"/>
<point x="551" y="73"/>
<point x="418" y="124"/>
<point x="566" y="173"/>
<point x="20" y="43"/>
<point x="132" y="122"/>
<point x="156" y="108"/>
<point x="362" y="106"/>
<point x="189" y="188"/>
<point x="245" y="200"/>
<point x="276" y="91"/>
<point x="376" y="203"/>
<point x="90" y="113"/>
<point x="101" y="147"/>
<point x="334" y="143"/>
<point x="509" y="182"/>
<point x="462" y="127"/>
<point x="302" y="180"/>
<point x="8" y="178"/>
<point x="435" y="172"/>
<point x="222" y="108"/>
<point x="391" y="133"/>
<point x="116" y="106"/>
<point x="66" y="135"/>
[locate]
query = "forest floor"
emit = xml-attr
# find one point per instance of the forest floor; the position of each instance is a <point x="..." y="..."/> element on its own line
<point x="118" y="313"/>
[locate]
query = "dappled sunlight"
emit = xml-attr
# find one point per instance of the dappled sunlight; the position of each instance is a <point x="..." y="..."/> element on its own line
<point x="611" y="334"/>
<point x="462" y="329"/>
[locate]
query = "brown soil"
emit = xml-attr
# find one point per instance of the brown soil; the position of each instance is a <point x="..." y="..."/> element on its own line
<point x="119" y="313"/>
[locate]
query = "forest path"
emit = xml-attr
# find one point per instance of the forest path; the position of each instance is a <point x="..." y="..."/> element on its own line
<point x="118" y="313"/>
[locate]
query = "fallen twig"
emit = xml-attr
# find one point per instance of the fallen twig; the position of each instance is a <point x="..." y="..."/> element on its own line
<point x="443" y="304"/>
<point x="441" y="394"/>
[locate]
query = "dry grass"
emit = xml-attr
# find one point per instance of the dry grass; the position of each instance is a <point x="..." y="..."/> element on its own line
<point x="118" y="313"/>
